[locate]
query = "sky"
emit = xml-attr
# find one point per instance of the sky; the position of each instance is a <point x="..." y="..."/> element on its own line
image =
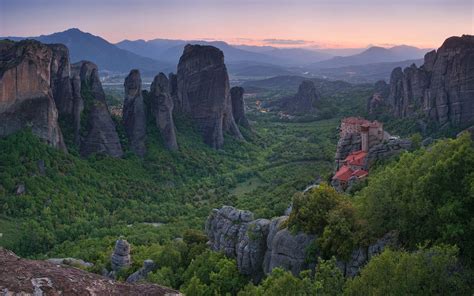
<point x="285" y="23"/>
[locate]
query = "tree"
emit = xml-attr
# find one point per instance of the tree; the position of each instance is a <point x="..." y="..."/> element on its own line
<point x="433" y="271"/>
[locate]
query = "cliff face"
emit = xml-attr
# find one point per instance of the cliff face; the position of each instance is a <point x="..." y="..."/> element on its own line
<point x="303" y="101"/>
<point x="36" y="277"/>
<point x="134" y="119"/>
<point x="26" y="97"/>
<point x="238" y="106"/>
<point x="100" y="135"/>
<point x="162" y="109"/>
<point x="261" y="245"/>
<point x="60" y="79"/>
<point x="442" y="89"/>
<point x="203" y="93"/>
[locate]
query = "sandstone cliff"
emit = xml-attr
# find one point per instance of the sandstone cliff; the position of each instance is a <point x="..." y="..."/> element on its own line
<point x="26" y="97"/>
<point x="238" y="106"/>
<point x="203" y="93"/>
<point x="162" y="109"/>
<point x="100" y="135"/>
<point x="35" y="277"/>
<point x="134" y="118"/>
<point x="442" y="89"/>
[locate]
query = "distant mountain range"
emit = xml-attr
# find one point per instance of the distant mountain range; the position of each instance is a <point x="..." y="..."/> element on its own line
<point x="373" y="55"/>
<point x="109" y="57"/>
<point x="242" y="60"/>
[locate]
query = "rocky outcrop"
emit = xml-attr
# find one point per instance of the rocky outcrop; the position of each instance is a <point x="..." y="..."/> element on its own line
<point x="71" y="262"/>
<point x="37" y="277"/>
<point x="347" y="144"/>
<point x="134" y="118"/>
<point x="376" y="103"/>
<point x="162" y="109"/>
<point x="238" y="106"/>
<point x="261" y="245"/>
<point x="61" y="84"/>
<point x="26" y="97"/>
<point x="203" y="93"/>
<point x="100" y="135"/>
<point x="121" y="256"/>
<point x="387" y="149"/>
<point x="362" y="255"/>
<point x="142" y="273"/>
<point x="304" y="100"/>
<point x="258" y="245"/>
<point x="442" y="89"/>
<point x="173" y="79"/>
<point x="287" y="250"/>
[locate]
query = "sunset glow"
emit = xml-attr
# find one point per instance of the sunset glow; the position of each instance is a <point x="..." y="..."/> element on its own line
<point x="297" y="23"/>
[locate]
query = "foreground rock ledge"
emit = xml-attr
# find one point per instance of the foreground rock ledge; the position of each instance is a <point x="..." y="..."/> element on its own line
<point x="35" y="277"/>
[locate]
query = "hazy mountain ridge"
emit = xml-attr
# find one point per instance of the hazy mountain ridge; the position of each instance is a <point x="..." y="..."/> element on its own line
<point x="85" y="46"/>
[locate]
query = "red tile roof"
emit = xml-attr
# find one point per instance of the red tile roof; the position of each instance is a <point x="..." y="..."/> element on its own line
<point x="356" y="158"/>
<point x="344" y="173"/>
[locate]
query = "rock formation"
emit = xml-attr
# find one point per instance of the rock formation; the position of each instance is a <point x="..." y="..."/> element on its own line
<point x="376" y="103"/>
<point x="303" y="101"/>
<point x="387" y="149"/>
<point x="238" y="106"/>
<point x="141" y="274"/>
<point x="100" y="133"/>
<point x="162" y="108"/>
<point x="26" y="97"/>
<point x="203" y="93"/>
<point x="61" y="80"/>
<point x="121" y="256"/>
<point x="286" y="250"/>
<point x="134" y="118"/>
<point x="261" y="245"/>
<point x="36" y="277"/>
<point x="442" y="89"/>
<point x="173" y="79"/>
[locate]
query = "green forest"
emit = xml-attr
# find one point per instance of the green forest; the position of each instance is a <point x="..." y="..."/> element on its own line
<point x="78" y="207"/>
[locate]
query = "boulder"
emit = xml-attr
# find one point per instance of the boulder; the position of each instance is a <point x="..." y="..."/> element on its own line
<point x="121" y="256"/>
<point x="100" y="135"/>
<point x="134" y="118"/>
<point x="238" y="106"/>
<point x="26" y="97"/>
<point x="38" y="277"/>
<point x="142" y="273"/>
<point x="204" y="93"/>
<point x="162" y="108"/>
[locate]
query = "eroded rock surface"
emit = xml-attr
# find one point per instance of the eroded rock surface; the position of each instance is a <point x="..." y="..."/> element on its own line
<point x="26" y="97"/>
<point x="261" y="245"/>
<point x="442" y="89"/>
<point x="238" y="106"/>
<point x="36" y="277"/>
<point x="204" y="93"/>
<point x="134" y="118"/>
<point x="303" y="101"/>
<point x="141" y="274"/>
<point x="121" y="256"/>
<point x="162" y="108"/>
<point x="100" y="135"/>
